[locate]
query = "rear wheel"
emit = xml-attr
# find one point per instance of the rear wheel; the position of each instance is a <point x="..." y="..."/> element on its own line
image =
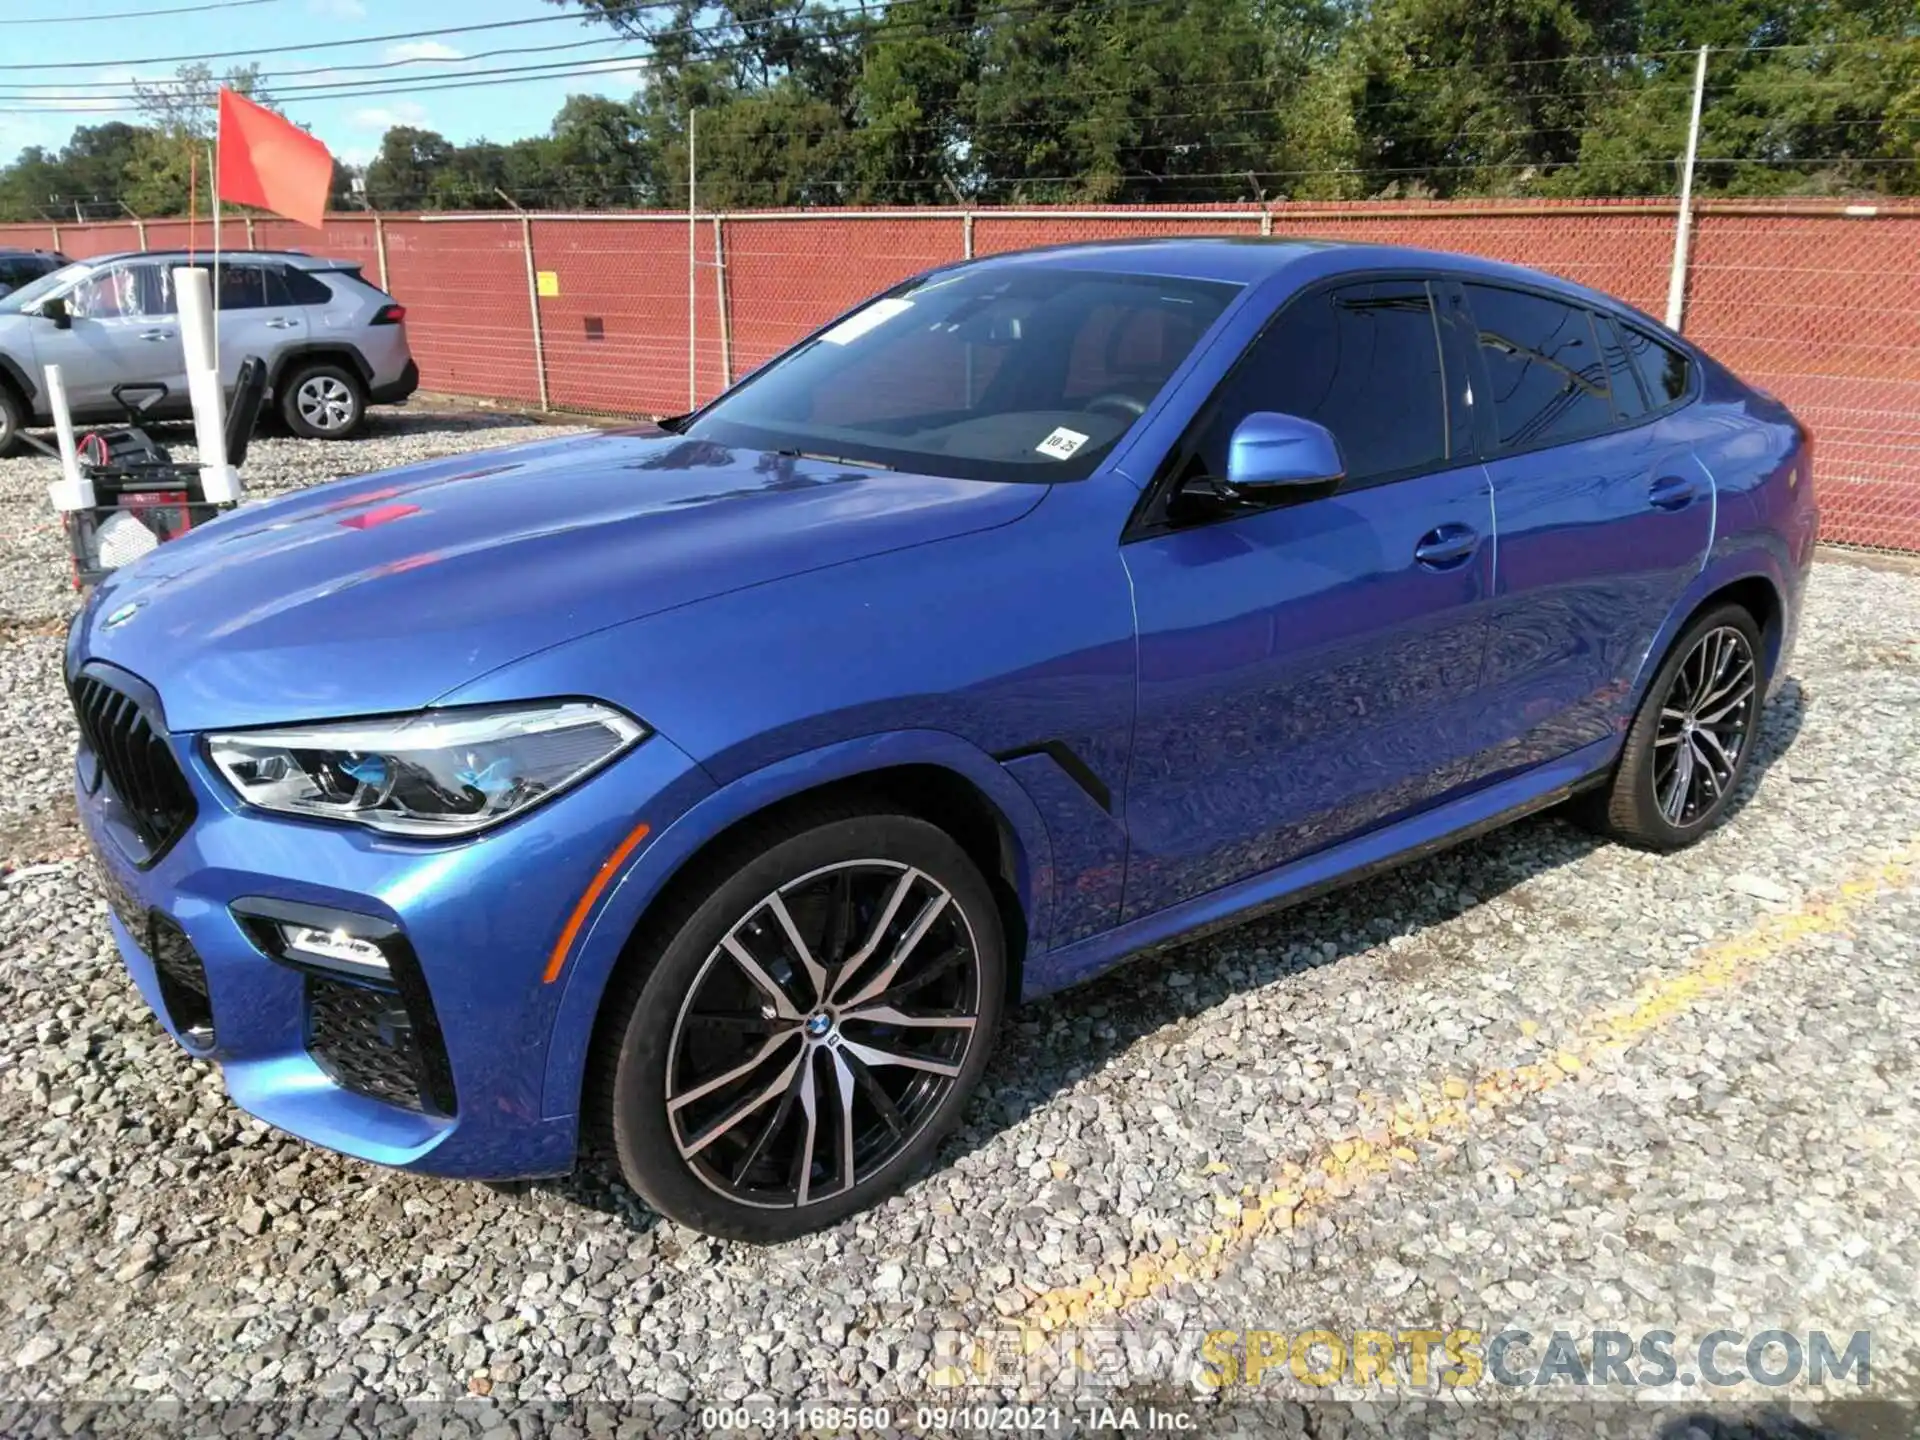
<point x="809" y="1031"/>
<point x="323" y="402"/>
<point x="13" y="418"/>
<point x="1692" y="740"/>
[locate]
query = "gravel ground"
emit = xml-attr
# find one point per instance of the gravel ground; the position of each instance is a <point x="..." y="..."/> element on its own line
<point x="1536" y="1082"/>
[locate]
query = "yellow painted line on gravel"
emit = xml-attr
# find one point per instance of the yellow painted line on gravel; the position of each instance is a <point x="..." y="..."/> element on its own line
<point x="1445" y="1109"/>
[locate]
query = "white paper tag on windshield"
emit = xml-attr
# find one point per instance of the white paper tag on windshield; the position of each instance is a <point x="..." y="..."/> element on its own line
<point x="1061" y="443"/>
<point x="861" y="321"/>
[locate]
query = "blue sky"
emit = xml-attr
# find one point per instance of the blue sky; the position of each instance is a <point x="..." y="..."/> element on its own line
<point x="41" y="106"/>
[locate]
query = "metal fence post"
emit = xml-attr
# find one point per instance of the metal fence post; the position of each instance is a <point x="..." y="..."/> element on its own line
<point x="380" y="251"/>
<point x="54" y="225"/>
<point x="1683" y="224"/>
<point x="720" y="299"/>
<point x="966" y="232"/>
<point x="533" y="307"/>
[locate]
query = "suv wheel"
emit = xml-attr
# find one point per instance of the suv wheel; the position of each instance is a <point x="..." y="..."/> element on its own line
<point x="809" y="1030"/>
<point x="13" y="415"/>
<point x="323" y="402"/>
<point x="1691" y="743"/>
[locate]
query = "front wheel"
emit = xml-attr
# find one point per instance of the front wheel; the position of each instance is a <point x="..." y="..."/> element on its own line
<point x="1692" y="739"/>
<point x="810" y="1030"/>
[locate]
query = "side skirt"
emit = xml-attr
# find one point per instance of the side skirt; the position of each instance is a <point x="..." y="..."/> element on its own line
<point x="1353" y="860"/>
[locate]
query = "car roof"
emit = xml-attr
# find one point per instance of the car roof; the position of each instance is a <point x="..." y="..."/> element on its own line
<point x="29" y="250"/>
<point x="1249" y="259"/>
<point x="297" y="259"/>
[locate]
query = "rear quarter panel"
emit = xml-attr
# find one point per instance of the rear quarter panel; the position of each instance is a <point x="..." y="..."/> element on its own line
<point x="1766" y="520"/>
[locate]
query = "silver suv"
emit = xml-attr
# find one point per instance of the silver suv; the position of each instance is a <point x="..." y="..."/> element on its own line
<point x="332" y="342"/>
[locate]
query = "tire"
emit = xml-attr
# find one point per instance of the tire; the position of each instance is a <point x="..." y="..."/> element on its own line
<point x="13" y="419"/>
<point x="707" y="1072"/>
<point x="323" y="402"/>
<point x="1688" y="748"/>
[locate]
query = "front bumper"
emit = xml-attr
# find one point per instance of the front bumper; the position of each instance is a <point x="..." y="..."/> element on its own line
<point x="320" y="1057"/>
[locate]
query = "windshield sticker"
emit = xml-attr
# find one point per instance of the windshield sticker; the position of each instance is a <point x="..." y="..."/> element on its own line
<point x="1061" y="443"/>
<point x="859" y="323"/>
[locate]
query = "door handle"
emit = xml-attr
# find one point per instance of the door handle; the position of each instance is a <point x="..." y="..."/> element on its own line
<point x="1672" y="492"/>
<point x="281" y="323"/>
<point x="156" y="334"/>
<point x="1446" y="546"/>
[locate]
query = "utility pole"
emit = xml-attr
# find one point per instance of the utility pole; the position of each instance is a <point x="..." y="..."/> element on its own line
<point x="1683" y="228"/>
<point x="693" y="261"/>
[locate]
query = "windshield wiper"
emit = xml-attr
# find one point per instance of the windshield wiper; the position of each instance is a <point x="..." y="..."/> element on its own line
<point x="834" y="459"/>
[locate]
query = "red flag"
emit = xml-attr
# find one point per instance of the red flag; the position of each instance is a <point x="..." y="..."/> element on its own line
<point x="269" y="162"/>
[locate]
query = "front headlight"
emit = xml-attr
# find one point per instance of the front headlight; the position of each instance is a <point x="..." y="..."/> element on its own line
<point x="441" y="772"/>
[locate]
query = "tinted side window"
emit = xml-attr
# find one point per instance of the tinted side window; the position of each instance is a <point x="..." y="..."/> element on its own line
<point x="242" y="287"/>
<point x="295" y="287"/>
<point x="1362" y="360"/>
<point x="1662" y="369"/>
<point x="1549" y="381"/>
<point x="1628" y="402"/>
<point x="122" y="292"/>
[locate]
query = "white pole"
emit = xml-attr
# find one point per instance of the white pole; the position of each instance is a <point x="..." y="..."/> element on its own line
<point x="693" y="289"/>
<point x="1683" y="227"/>
<point x="213" y="185"/>
<point x="194" y="292"/>
<point x="75" y="490"/>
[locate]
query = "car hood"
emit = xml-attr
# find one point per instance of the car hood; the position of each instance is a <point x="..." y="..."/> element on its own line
<point x="387" y="591"/>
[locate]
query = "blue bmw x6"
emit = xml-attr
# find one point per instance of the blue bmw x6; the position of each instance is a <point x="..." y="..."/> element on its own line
<point x="713" y="788"/>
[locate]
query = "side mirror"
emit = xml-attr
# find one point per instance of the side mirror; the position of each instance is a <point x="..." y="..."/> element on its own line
<point x="1270" y="452"/>
<point x="56" y="311"/>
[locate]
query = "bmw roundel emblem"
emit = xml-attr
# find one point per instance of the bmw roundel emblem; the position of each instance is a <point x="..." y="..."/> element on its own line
<point x="124" y="613"/>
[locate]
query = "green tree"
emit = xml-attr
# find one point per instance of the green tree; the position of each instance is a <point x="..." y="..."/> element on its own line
<point x="1487" y="97"/>
<point x="599" y="156"/>
<point x="1189" y="100"/>
<point x="401" y="176"/>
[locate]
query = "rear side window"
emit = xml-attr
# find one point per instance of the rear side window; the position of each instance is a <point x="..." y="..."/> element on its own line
<point x="17" y="270"/>
<point x="1544" y="364"/>
<point x="1362" y="360"/>
<point x="296" y="287"/>
<point x="1663" y="370"/>
<point x="1629" y="404"/>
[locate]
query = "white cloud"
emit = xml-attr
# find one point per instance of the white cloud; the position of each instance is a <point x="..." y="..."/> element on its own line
<point x="423" y="50"/>
<point x="337" y="9"/>
<point x="384" y="117"/>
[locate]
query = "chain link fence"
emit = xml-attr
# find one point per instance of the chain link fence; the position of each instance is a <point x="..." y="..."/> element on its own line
<point x="645" y="313"/>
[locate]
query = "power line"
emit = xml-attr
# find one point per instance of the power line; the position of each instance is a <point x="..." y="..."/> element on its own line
<point x="102" y="89"/>
<point x="546" y="70"/>
<point x="130" y="14"/>
<point x="631" y="9"/>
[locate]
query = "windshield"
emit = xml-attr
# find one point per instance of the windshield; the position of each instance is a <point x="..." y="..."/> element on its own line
<point x="1029" y="373"/>
<point x="45" y="285"/>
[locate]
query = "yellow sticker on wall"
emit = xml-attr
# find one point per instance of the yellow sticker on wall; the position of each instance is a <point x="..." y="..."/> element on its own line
<point x="547" y="282"/>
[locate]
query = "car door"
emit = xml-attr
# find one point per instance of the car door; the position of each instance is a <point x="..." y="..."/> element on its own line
<point x="1306" y="670"/>
<point x="1605" y="516"/>
<point x="123" y="331"/>
<point x="257" y="316"/>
